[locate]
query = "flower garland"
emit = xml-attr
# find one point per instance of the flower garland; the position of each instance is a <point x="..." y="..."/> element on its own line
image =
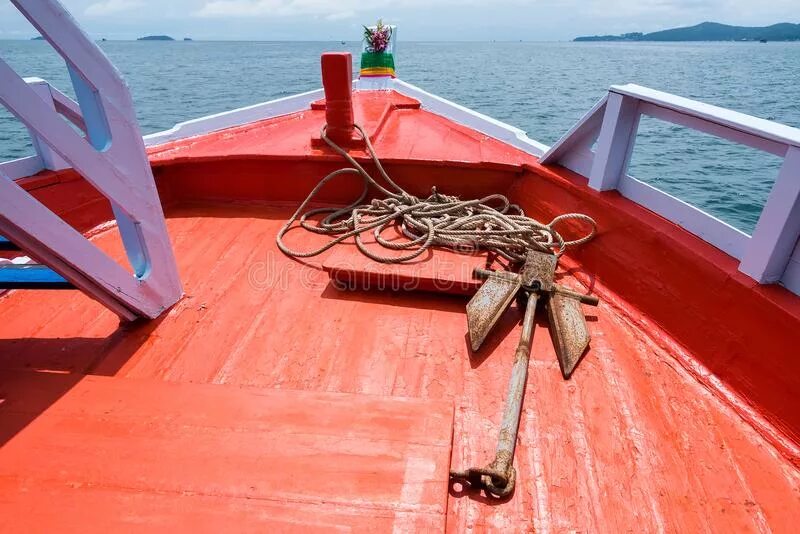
<point x="377" y="39"/>
<point x="377" y="58"/>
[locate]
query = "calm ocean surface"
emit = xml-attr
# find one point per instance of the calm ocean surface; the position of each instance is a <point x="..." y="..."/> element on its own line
<point x="542" y="88"/>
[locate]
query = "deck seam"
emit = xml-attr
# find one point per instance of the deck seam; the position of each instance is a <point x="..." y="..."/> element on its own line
<point x="425" y="509"/>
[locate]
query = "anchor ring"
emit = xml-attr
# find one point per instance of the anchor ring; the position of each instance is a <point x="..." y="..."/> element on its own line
<point x="500" y="492"/>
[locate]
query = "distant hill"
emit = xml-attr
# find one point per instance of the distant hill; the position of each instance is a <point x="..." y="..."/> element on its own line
<point x="155" y="38"/>
<point x="38" y="38"/>
<point x="709" y="31"/>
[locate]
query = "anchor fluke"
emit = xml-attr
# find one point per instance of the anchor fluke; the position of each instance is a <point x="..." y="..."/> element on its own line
<point x="488" y="304"/>
<point x="568" y="330"/>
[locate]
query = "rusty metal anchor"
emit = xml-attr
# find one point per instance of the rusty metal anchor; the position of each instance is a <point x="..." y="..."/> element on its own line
<point x="570" y="337"/>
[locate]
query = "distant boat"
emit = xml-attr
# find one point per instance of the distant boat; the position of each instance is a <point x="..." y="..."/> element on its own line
<point x="39" y="38"/>
<point x="344" y="42"/>
<point x="762" y="40"/>
<point x="187" y="39"/>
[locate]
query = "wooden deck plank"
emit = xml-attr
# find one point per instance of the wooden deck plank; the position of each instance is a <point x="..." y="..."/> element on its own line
<point x="122" y="511"/>
<point x="125" y="442"/>
<point x="437" y="270"/>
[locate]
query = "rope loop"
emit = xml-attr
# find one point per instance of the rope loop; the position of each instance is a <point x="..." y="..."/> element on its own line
<point x="491" y="223"/>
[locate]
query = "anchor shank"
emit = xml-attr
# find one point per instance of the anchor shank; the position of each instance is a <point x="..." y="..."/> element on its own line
<point x="516" y="392"/>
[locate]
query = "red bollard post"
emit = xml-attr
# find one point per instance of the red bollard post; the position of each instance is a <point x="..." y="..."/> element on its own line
<point x="337" y="72"/>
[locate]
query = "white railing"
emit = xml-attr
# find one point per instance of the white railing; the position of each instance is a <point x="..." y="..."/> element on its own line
<point x="108" y="151"/>
<point x="61" y="104"/>
<point x="45" y="157"/>
<point x="772" y="253"/>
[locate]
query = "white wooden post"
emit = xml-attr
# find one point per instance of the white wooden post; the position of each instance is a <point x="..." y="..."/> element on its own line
<point x="574" y="149"/>
<point x="778" y="228"/>
<point x="50" y="159"/>
<point x="615" y="143"/>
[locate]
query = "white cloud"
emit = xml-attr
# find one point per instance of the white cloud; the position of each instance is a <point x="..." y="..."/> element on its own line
<point x="421" y="19"/>
<point x="475" y="9"/>
<point x="110" y="7"/>
<point x="340" y="9"/>
<point x="259" y="8"/>
<point x="341" y="15"/>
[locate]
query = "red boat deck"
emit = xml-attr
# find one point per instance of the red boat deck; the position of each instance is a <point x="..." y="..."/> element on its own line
<point x="633" y="439"/>
<point x="665" y="426"/>
<point x="139" y="454"/>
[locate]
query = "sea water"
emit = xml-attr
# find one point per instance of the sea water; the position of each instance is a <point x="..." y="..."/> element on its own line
<point x="542" y="88"/>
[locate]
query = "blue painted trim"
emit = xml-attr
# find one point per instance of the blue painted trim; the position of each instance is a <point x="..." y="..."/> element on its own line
<point x="99" y="135"/>
<point x="133" y="241"/>
<point x="5" y="244"/>
<point x="94" y="117"/>
<point x="31" y="277"/>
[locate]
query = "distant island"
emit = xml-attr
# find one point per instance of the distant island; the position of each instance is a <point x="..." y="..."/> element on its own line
<point x="39" y="38"/>
<point x="187" y="38"/>
<point x="155" y="38"/>
<point x="709" y="31"/>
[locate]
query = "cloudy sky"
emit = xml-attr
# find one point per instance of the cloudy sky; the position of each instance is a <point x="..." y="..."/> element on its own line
<point x="531" y="20"/>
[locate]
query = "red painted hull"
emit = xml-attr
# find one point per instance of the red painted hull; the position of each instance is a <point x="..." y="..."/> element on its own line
<point x="682" y="416"/>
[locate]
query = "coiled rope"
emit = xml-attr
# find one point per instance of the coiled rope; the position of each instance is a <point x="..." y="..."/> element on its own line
<point x="489" y="223"/>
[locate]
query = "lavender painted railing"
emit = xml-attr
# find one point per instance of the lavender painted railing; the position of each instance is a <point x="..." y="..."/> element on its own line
<point x="110" y="155"/>
<point x="772" y="253"/>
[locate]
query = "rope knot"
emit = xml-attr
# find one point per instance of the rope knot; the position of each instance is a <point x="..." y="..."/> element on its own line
<point x="409" y="199"/>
